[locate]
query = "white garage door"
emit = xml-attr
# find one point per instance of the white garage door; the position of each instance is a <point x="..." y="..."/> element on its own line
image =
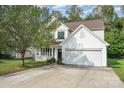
<point x="83" y="57"/>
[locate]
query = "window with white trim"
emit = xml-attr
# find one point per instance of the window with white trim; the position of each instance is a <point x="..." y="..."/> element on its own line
<point x="46" y="51"/>
<point x="60" y="35"/>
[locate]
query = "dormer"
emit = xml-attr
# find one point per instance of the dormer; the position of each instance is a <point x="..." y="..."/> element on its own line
<point x="61" y="33"/>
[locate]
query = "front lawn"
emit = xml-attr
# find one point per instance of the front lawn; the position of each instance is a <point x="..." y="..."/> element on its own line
<point x="118" y="66"/>
<point x="10" y="66"/>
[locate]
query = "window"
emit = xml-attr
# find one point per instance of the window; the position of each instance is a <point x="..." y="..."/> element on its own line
<point x="46" y="51"/>
<point x="61" y="35"/>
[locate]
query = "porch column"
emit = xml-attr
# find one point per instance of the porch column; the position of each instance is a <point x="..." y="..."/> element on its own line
<point x="52" y="52"/>
<point x="45" y="52"/>
<point x="41" y="52"/>
<point x="48" y="51"/>
<point x="56" y="53"/>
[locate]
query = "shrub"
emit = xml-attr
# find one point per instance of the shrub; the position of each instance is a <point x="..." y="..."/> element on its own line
<point x="5" y="56"/>
<point x="52" y="60"/>
<point x="116" y="47"/>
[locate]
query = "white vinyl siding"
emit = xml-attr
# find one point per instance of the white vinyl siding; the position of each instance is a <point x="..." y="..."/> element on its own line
<point x="84" y="47"/>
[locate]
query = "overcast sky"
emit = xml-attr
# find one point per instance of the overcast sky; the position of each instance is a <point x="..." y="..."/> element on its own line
<point x="87" y="9"/>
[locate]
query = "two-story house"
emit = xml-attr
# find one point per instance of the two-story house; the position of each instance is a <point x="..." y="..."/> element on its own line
<point x="80" y="43"/>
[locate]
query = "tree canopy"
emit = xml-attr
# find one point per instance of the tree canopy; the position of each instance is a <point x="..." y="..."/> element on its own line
<point x="106" y="12"/>
<point x="74" y="13"/>
<point x="24" y="25"/>
<point x="57" y="14"/>
<point x="122" y="8"/>
<point x="116" y="47"/>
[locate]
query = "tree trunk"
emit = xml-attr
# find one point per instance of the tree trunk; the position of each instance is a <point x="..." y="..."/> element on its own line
<point x="23" y="59"/>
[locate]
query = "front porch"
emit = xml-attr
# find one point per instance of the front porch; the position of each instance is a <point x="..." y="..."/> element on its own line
<point x="43" y="54"/>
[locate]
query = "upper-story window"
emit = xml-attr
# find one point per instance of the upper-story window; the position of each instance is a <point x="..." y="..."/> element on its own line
<point x="61" y="35"/>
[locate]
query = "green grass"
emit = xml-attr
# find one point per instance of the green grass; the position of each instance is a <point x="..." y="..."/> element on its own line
<point x="10" y="66"/>
<point x="118" y="66"/>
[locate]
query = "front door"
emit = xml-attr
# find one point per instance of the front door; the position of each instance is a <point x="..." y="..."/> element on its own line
<point x="59" y="55"/>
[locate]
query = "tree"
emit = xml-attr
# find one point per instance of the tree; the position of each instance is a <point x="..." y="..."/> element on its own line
<point x="19" y="26"/>
<point x="118" y="23"/>
<point x="3" y="46"/>
<point x="57" y="14"/>
<point x="64" y="19"/>
<point x="44" y="36"/>
<point x="116" y="47"/>
<point x="91" y="17"/>
<point x="22" y="24"/>
<point x="2" y="34"/>
<point x="106" y="12"/>
<point x="74" y="13"/>
<point x="122" y="8"/>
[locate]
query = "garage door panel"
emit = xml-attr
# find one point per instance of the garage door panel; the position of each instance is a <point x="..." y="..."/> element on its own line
<point x="90" y="58"/>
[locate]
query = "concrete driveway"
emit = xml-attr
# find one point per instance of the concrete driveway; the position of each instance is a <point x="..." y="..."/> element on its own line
<point x="63" y="77"/>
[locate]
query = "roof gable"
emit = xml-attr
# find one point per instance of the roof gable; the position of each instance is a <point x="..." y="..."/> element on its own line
<point x="82" y="26"/>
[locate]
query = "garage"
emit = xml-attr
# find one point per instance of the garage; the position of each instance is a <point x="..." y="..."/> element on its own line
<point x="84" y="47"/>
<point x="88" y="57"/>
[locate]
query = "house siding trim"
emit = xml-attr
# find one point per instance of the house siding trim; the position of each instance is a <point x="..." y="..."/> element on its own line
<point x="84" y="49"/>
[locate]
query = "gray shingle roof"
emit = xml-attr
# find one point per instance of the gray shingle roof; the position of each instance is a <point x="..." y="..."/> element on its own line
<point x="90" y="24"/>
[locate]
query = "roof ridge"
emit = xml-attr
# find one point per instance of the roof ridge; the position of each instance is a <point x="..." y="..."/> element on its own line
<point x="84" y="21"/>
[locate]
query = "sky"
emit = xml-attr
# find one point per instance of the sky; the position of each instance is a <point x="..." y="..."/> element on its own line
<point x="86" y="9"/>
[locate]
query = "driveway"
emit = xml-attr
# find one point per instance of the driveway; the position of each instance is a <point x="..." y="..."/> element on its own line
<point x="62" y="76"/>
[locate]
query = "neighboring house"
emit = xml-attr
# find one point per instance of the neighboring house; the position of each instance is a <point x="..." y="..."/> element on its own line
<point x="28" y="54"/>
<point x="80" y="43"/>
